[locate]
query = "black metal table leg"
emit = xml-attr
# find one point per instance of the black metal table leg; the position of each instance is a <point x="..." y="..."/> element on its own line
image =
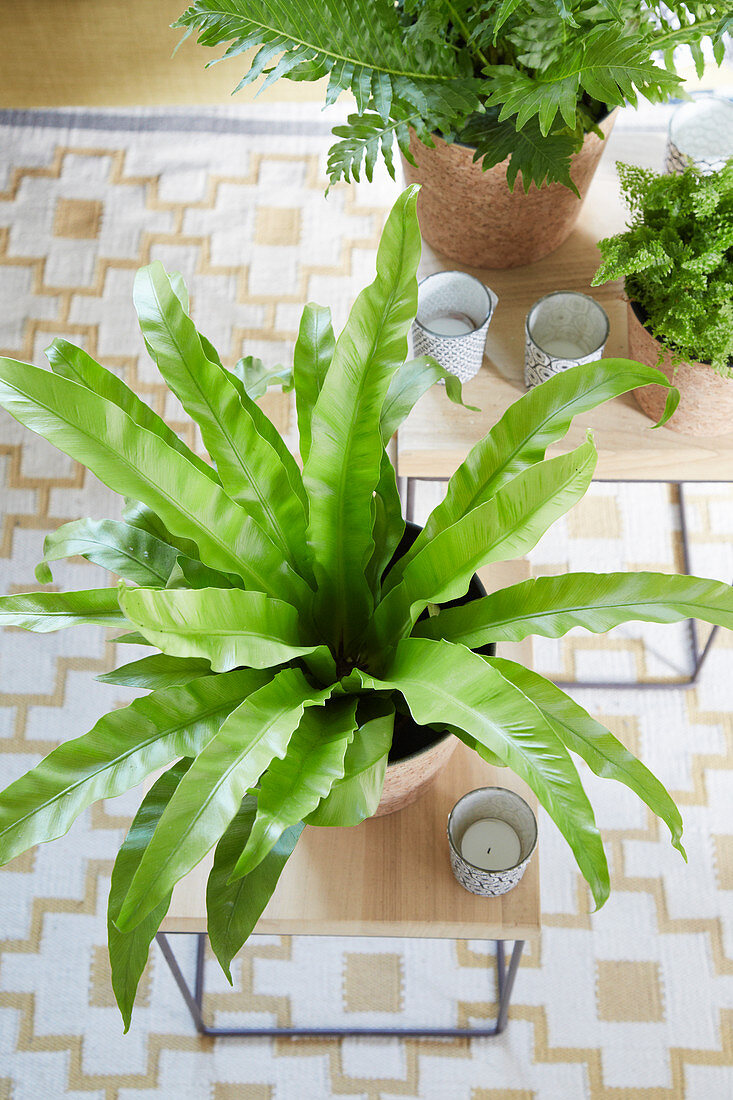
<point x="698" y="655"/>
<point x="194" y="1002"/>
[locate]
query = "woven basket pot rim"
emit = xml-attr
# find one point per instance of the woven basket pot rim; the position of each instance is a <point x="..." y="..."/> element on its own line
<point x="466" y="145"/>
<point x="641" y="315"/>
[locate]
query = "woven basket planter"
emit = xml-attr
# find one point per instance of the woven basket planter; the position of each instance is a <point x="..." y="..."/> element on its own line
<point x="471" y="216"/>
<point x="706" y="398"/>
<point x="407" y="779"/>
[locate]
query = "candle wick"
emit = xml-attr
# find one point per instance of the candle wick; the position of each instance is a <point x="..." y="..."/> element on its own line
<point x="488" y="851"/>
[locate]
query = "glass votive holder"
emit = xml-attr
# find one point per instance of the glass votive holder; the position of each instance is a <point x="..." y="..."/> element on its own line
<point x="492" y="833"/>
<point x="562" y="329"/>
<point x="453" y="314"/>
<point x="700" y="133"/>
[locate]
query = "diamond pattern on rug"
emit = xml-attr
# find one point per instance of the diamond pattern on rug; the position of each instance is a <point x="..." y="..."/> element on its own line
<point x="633" y="1003"/>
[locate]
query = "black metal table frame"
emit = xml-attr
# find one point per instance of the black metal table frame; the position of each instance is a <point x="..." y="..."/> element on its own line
<point x="698" y="655"/>
<point x="194" y="999"/>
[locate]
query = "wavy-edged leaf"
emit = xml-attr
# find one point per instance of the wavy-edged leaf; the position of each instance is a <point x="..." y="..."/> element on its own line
<point x="139" y="515"/>
<point x="120" y="751"/>
<point x="43" y="612"/>
<point x="250" y="377"/>
<point x="134" y="462"/>
<point x="267" y="430"/>
<point x="409" y="383"/>
<point x="128" y="951"/>
<point x="234" y="909"/>
<point x="344" y="461"/>
<point x="292" y="787"/>
<point x="75" y="364"/>
<point x="257" y="378"/>
<point x="125" y="550"/>
<point x="249" y="469"/>
<point x="226" y="626"/>
<point x="542" y="416"/>
<point x="189" y="573"/>
<point x="506" y="526"/>
<point x="448" y="684"/>
<point x="551" y="606"/>
<point x="388" y="525"/>
<point x="211" y="792"/>
<point x="311" y="359"/>
<point x="188" y="564"/>
<point x="157" y="671"/>
<point x="355" y="797"/>
<point x="592" y="742"/>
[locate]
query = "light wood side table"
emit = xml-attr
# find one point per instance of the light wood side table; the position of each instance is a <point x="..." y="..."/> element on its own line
<point x="436" y="437"/>
<point x="389" y="876"/>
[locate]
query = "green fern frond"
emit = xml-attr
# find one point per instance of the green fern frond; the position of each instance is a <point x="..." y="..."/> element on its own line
<point x="361" y="52"/>
<point x="539" y="159"/>
<point x="677" y="260"/>
<point x="606" y="67"/>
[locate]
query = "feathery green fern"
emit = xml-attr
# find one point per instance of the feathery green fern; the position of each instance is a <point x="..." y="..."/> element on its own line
<point x="520" y="78"/>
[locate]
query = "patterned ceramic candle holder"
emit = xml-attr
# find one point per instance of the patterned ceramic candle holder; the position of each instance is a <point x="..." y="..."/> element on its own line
<point x="562" y="329"/>
<point x="492" y="833"/>
<point x="453" y="315"/>
<point x="700" y="133"/>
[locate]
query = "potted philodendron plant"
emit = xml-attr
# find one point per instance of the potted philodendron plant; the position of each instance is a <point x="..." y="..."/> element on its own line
<point x="296" y="630"/>
<point x="508" y="87"/>
<point x="676" y="259"/>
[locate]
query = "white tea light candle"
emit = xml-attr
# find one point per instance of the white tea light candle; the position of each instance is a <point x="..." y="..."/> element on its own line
<point x="450" y="324"/>
<point x="492" y="833"/>
<point x="564" y="349"/>
<point x="562" y="330"/>
<point x="453" y="314"/>
<point x="491" y="844"/>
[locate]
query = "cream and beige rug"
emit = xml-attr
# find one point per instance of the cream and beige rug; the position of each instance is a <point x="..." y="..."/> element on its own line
<point x="635" y="1003"/>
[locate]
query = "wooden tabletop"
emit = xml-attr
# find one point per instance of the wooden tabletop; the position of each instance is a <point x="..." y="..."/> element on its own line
<point x="436" y="437"/>
<point x="391" y="876"/>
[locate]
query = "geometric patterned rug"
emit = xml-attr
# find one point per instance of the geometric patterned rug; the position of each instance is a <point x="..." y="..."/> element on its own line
<point x="633" y="1003"/>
